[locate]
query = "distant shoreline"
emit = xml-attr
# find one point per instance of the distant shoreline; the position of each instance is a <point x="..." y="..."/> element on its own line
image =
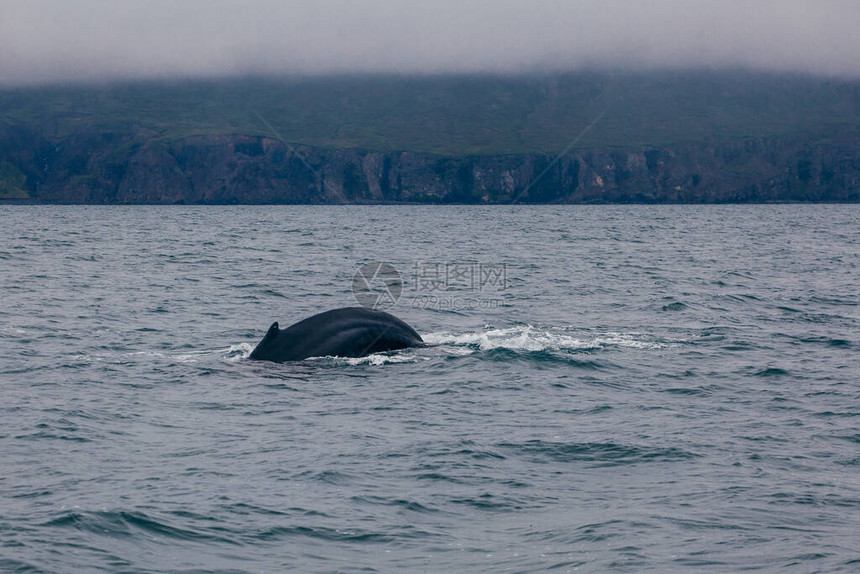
<point x="580" y="138"/>
<point x="8" y="203"/>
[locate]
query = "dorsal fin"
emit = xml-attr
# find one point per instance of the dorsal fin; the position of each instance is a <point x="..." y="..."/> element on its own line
<point x="272" y="332"/>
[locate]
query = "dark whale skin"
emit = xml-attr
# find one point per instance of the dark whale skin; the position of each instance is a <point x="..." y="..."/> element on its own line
<point x="347" y="332"/>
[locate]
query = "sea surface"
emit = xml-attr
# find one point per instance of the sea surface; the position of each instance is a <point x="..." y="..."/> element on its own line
<point x="608" y="389"/>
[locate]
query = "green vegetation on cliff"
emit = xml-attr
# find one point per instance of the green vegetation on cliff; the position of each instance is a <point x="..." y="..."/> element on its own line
<point x="12" y="182"/>
<point x="456" y="115"/>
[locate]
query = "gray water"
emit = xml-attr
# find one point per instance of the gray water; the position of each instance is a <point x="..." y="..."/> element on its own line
<point x="644" y="389"/>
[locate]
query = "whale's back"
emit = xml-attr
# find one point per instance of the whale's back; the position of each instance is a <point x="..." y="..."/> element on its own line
<point x="347" y="332"/>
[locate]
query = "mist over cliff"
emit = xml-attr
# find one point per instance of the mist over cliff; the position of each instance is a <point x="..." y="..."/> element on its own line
<point x="702" y="136"/>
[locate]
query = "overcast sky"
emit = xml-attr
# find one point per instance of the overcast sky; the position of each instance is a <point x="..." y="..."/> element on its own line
<point x="57" y="40"/>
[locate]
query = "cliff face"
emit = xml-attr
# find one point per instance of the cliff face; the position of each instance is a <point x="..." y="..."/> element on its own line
<point x="140" y="167"/>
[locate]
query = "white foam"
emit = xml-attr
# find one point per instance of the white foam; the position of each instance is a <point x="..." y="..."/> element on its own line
<point x="527" y="338"/>
<point x="235" y="353"/>
<point x="629" y="340"/>
<point x="375" y="359"/>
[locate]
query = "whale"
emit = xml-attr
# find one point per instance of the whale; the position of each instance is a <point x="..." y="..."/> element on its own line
<point x="346" y="332"/>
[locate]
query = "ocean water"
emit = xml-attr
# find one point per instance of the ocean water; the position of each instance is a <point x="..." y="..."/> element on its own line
<point x="609" y="389"/>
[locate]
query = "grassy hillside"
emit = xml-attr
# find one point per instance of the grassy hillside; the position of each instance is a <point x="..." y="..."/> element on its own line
<point x="457" y="115"/>
<point x="12" y="182"/>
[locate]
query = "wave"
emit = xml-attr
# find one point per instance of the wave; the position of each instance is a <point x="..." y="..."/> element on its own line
<point x="598" y="454"/>
<point x="123" y="523"/>
<point x="771" y="372"/>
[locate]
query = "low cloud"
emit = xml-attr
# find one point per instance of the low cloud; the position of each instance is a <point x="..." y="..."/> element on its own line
<point x="74" y="40"/>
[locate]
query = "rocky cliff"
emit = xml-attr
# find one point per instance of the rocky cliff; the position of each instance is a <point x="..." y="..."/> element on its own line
<point x="139" y="166"/>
